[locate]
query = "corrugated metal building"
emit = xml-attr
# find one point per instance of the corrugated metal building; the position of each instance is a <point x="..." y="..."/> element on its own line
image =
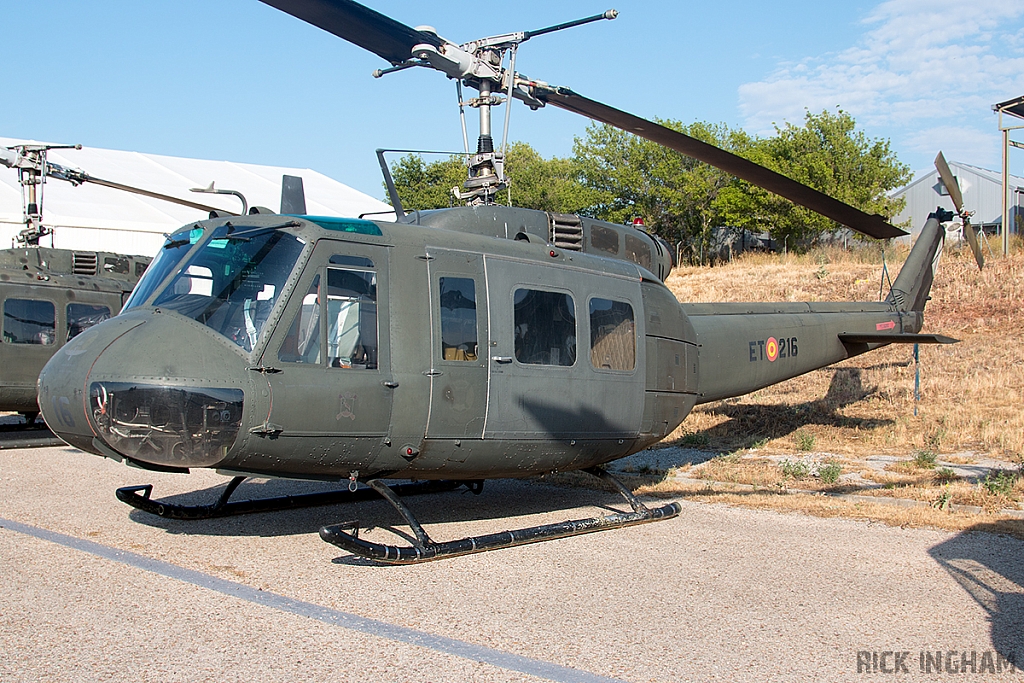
<point x="982" y="190"/>
<point x="92" y="217"/>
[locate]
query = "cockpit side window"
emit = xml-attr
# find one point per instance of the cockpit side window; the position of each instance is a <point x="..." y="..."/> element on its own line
<point x="83" y="316"/>
<point x="302" y="343"/>
<point x="352" y="317"/>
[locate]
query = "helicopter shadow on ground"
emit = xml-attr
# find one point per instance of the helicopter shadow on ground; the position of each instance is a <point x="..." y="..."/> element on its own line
<point x="987" y="565"/>
<point x="750" y="423"/>
<point x="500" y="499"/>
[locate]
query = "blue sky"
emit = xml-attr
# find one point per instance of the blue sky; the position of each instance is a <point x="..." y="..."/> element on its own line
<point x="241" y="81"/>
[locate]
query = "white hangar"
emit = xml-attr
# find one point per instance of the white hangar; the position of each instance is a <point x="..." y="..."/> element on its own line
<point x="982" y="190"/>
<point x="97" y="218"/>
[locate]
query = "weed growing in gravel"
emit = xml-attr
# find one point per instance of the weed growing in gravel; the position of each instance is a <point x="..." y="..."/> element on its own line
<point x="945" y="474"/>
<point x="804" y="441"/>
<point x="695" y="440"/>
<point x="1000" y="482"/>
<point x="795" y="469"/>
<point x="829" y="472"/>
<point x="942" y="503"/>
<point x="925" y="460"/>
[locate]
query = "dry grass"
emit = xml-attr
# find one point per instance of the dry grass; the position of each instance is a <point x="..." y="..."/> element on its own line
<point x="971" y="395"/>
<point x="826" y="506"/>
<point x="971" y="392"/>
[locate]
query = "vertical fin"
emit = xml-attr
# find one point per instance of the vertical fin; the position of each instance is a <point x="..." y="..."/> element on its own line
<point x="910" y="290"/>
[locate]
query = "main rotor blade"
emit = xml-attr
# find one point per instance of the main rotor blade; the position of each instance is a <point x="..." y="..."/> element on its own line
<point x="86" y="178"/>
<point x="360" y="25"/>
<point x="867" y="224"/>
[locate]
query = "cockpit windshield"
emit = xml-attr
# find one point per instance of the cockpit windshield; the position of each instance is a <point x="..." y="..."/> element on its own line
<point x="231" y="283"/>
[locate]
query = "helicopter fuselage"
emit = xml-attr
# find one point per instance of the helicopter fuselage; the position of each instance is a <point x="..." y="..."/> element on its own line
<point x="320" y="348"/>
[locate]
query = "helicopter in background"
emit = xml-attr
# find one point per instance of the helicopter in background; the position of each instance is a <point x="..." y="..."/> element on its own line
<point x="448" y="347"/>
<point x="49" y="296"/>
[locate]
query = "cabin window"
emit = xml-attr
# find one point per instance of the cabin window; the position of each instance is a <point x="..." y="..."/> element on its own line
<point x="116" y="264"/>
<point x="352" y="317"/>
<point x="604" y="239"/>
<point x="458" y="319"/>
<point x="638" y="252"/>
<point x="612" y="335"/>
<point x="83" y="316"/>
<point x="302" y="343"/>
<point x="545" y="327"/>
<point x="29" y="321"/>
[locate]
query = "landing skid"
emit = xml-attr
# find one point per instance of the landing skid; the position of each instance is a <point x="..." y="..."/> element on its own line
<point x="139" y="497"/>
<point x="346" y="535"/>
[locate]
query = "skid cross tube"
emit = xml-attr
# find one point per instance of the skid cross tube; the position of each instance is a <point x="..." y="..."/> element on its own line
<point x="139" y="497"/>
<point x="346" y="535"/>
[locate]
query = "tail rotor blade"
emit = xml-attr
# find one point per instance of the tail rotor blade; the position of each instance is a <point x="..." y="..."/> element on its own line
<point x="972" y="240"/>
<point x="953" y="187"/>
<point x="949" y="180"/>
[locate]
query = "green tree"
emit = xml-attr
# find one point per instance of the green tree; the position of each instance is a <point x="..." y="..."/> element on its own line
<point x="829" y="154"/>
<point x="427" y="186"/>
<point x="535" y="183"/>
<point x="679" y="198"/>
<point x="545" y="184"/>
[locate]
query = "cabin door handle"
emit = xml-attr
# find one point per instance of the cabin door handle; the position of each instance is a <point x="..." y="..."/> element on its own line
<point x="502" y="359"/>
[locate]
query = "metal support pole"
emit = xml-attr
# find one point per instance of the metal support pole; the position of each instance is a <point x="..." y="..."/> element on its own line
<point x="917" y="378"/>
<point x="1006" y="186"/>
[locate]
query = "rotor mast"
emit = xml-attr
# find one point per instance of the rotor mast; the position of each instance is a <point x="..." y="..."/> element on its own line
<point x="479" y="65"/>
<point x="30" y="161"/>
<point x="33" y="170"/>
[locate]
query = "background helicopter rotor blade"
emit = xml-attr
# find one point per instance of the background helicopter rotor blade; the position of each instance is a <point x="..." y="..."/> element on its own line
<point x="953" y="187"/>
<point x="853" y="218"/>
<point x="360" y="25"/>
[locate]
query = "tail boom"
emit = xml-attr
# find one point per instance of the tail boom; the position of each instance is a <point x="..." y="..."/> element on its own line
<point x="744" y="347"/>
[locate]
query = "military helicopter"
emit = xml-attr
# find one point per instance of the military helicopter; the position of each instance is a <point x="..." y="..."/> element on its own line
<point x="447" y="347"/>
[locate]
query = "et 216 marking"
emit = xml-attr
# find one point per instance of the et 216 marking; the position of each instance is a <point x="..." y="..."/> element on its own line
<point x="772" y="349"/>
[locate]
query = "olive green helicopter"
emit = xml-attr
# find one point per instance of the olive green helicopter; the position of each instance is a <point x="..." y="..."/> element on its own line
<point x="446" y="347"/>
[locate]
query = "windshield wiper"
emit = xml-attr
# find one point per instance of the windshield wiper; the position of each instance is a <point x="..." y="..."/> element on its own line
<point x="174" y="244"/>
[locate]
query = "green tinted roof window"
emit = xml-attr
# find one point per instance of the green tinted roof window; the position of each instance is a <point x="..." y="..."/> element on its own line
<point x="346" y="225"/>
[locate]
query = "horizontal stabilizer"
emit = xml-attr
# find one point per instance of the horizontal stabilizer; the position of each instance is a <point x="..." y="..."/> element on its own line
<point x="882" y="338"/>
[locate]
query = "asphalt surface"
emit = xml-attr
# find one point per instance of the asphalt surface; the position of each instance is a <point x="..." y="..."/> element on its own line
<point x="91" y="590"/>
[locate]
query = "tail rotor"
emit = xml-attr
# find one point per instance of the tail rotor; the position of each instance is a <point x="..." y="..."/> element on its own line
<point x="949" y="180"/>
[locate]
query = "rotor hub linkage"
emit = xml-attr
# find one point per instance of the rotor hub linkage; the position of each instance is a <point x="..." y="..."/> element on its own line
<point x="346" y="535"/>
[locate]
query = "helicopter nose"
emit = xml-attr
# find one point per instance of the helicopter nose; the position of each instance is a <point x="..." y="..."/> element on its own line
<point x="147" y="387"/>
